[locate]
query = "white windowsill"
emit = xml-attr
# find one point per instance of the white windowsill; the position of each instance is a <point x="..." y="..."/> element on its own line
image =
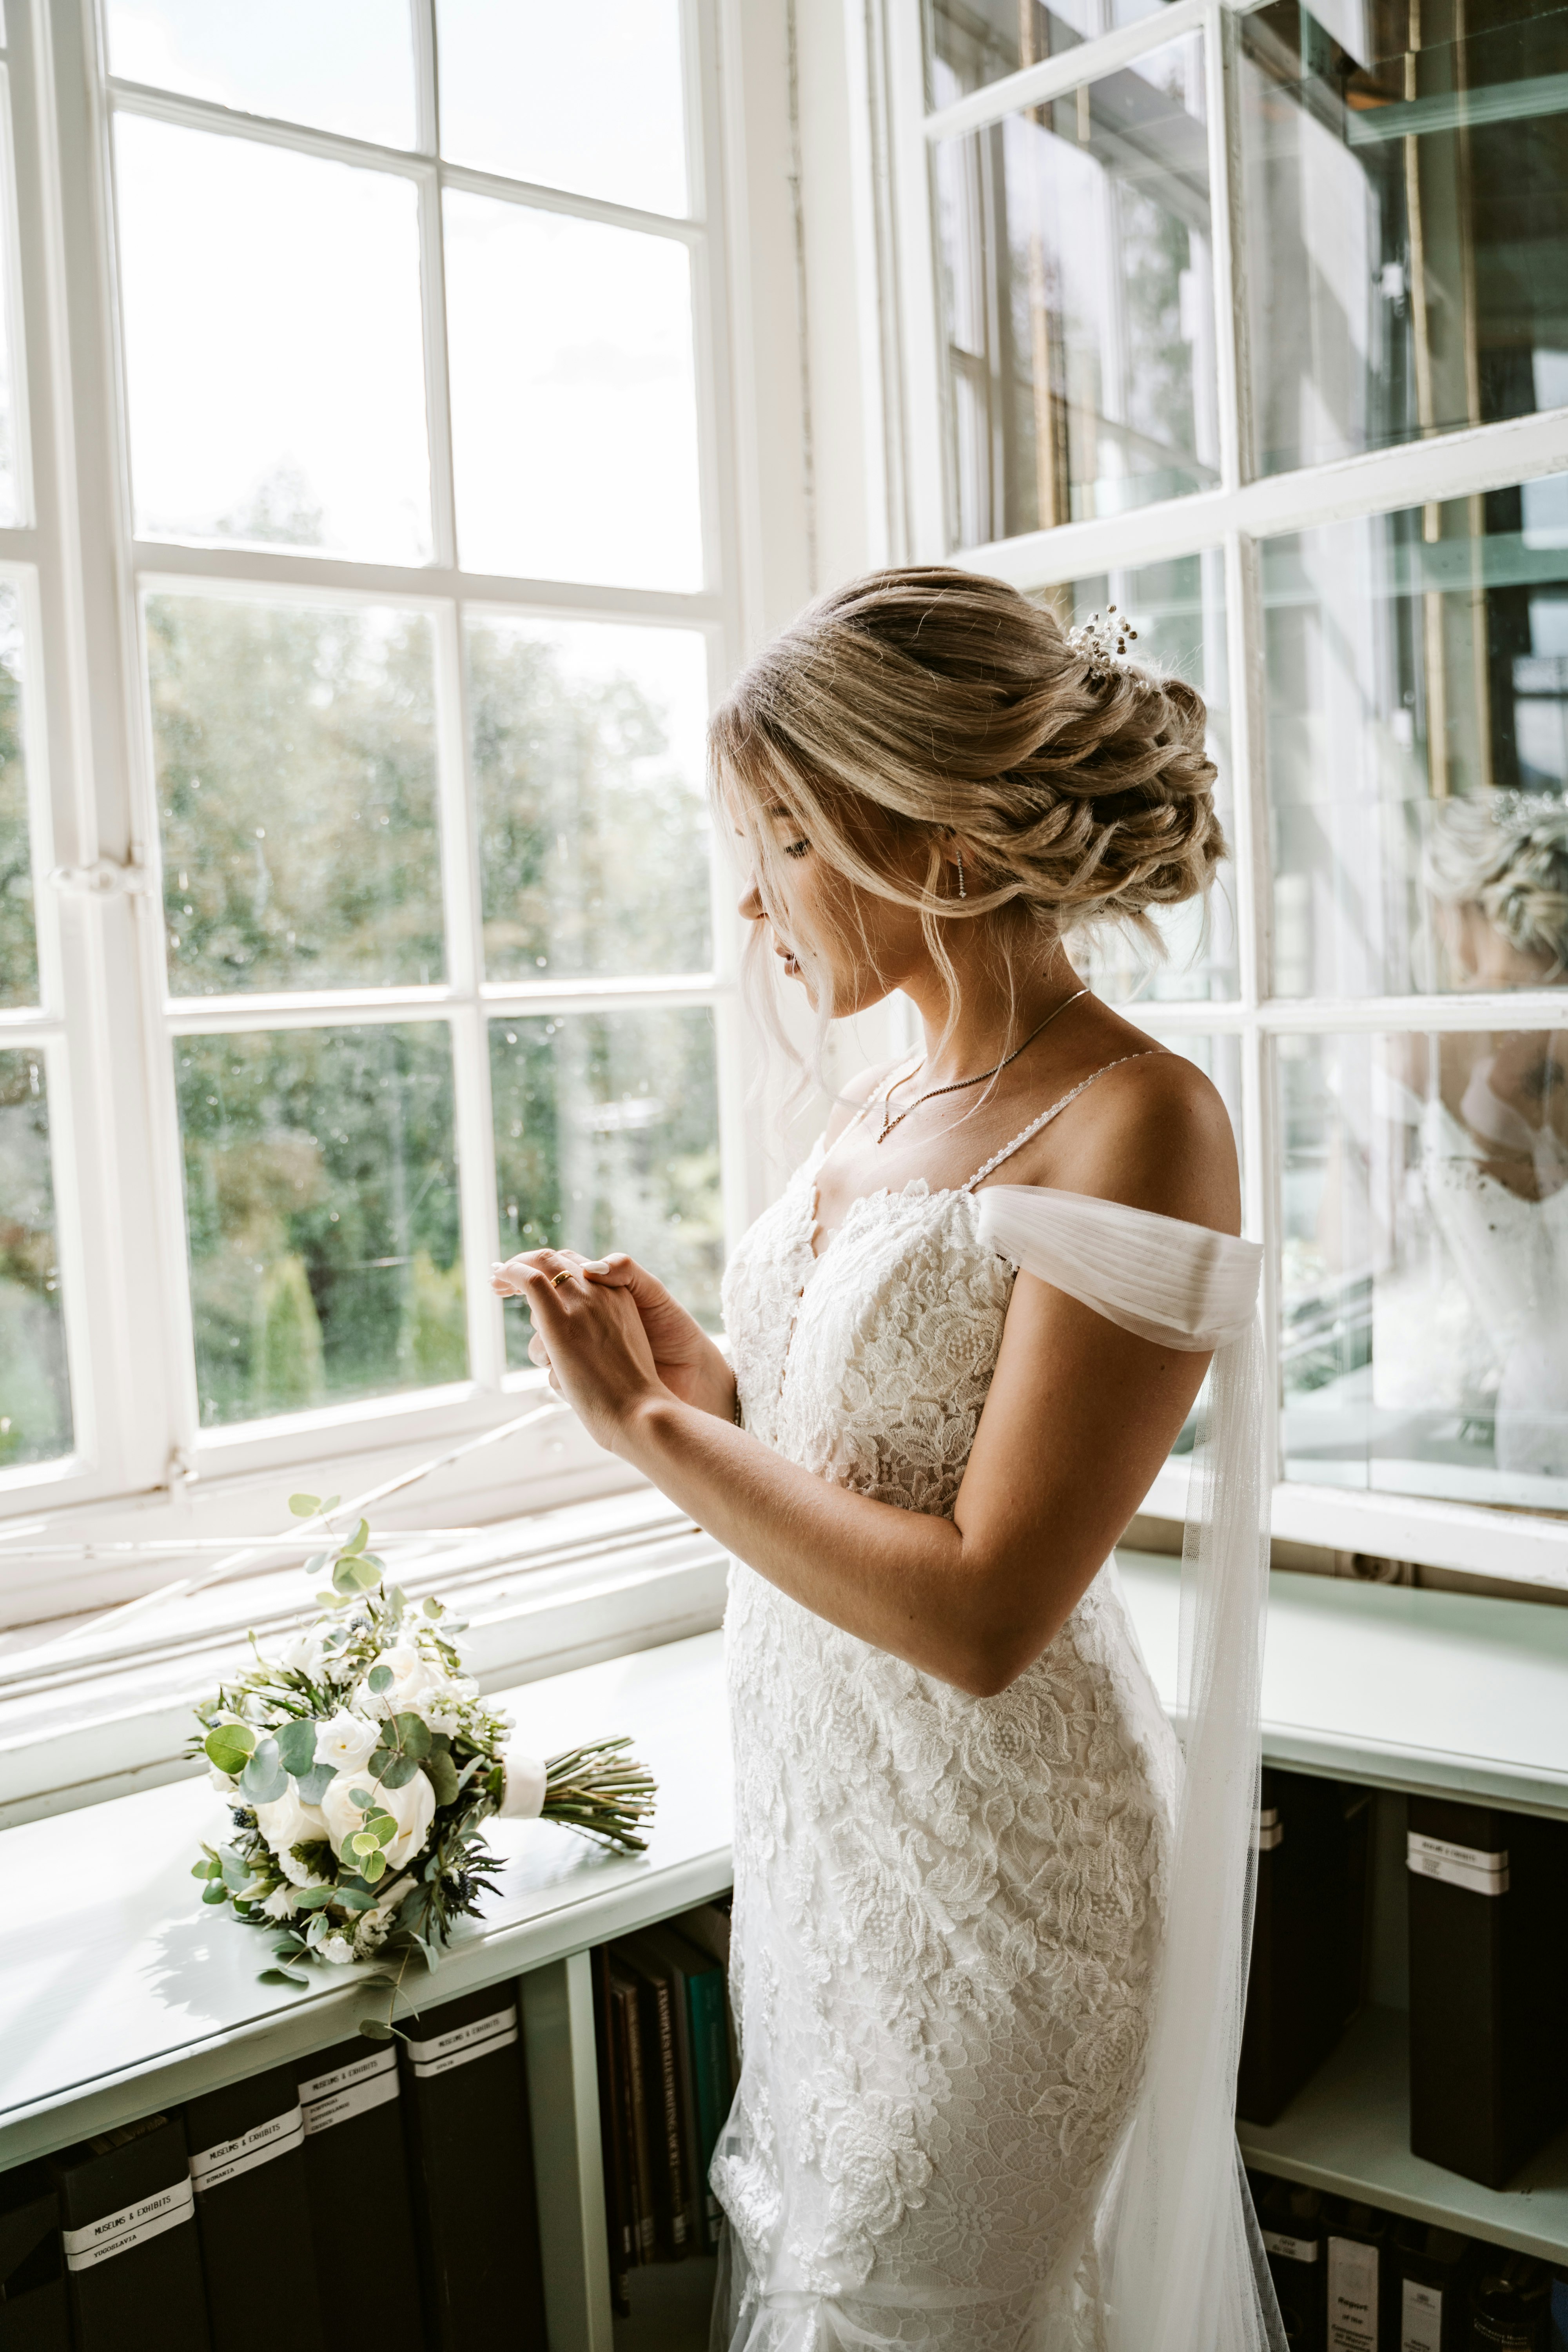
<point x="543" y="1593"/>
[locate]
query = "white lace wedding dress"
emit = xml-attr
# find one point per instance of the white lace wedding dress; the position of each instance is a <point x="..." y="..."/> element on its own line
<point x="949" y="1911"/>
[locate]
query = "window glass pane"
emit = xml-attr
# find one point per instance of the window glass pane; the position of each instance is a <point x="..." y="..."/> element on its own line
<point x="1076" y="290"/>
<point x="607" y="1138"/>
<point x="1417" y="684"/>
<point x="971" y="42"/>
<point x="321" y="1210"/>
<point x="295" y="748"/>
<point x="275" y="372"/>
<point x="11" y="492"/>
<point x="347" y="67"/>
<point x="1178" y="612"/>
<point x="1406" y="198"/>
<point x="34" y="1387"/>
<point x="586" y="98"/>
<point x="574" y="403"/>
<point x="18" y="944"/>
<point x="1425" y="1282"/>
<point x="588" y="752"/>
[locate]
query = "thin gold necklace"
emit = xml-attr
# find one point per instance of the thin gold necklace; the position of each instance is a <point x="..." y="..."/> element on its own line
<point x="959" y="1085"/>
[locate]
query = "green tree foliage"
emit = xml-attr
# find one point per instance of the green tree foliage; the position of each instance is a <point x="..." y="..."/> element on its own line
<point x="18" y="947"/>
<point x="34" y="1394"/>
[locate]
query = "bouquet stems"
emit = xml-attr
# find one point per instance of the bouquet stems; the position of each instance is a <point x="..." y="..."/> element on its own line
<point x="601" y="1790"/>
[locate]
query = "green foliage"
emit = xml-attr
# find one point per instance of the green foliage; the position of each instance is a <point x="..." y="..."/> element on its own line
<point x="230" y="1746"/>
<point x="34" y="1390"/>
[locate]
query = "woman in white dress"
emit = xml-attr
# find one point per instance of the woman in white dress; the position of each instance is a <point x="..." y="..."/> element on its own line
<point x="988" y="1954"/>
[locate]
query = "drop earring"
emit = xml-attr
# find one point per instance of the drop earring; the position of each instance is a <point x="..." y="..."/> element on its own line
<point x="958" y="855"/>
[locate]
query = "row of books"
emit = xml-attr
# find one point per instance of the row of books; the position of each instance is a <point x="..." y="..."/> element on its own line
<point x="1487" y="1917"/>
<point x="394" y="2183"/>
<point x="1352" y="2278"/>
<point x="667" y="2065"/>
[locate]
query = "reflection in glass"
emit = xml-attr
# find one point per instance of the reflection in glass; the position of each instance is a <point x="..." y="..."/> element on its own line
<point x="592" y="100"/>
<point x="607" y="1138"/>
<point x="1178" y="611"/>
<point x="573" y="401"/>
<point x="34" y="1385"/>
<point x="971" y="42"/>
<point x="18" y="942"/>
<point x="295" y="751"/>
<point x="347" y="67"/>
<point x="275" y="369"/>
<point x="1416" y="662"/>
<point x="1075" y="272"/>
<point x="322" y="1217"/>
<point x="1406" y="202"/>
<point x="1424" y="1280"/>
<point x="11" y="491"/>
<point x="588" y="752"/>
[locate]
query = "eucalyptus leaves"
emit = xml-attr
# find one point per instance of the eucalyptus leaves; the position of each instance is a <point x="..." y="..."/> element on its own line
<point x="360" y="1764"/>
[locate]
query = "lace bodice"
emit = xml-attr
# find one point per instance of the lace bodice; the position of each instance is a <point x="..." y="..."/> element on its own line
<point x="947" y="1909"/>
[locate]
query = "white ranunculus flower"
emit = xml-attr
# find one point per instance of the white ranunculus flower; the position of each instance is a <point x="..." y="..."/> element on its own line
<point x="412" y="1674"/>
<point x="346" y="1741"/>
<point x="286" y="1823"/>
<point x="224" y="1782"/>
<point x="412" y="1807"/>
<point x="302" y="1654"/>
<point x="336" y="1948"/>
<point x="281" y="1904"/>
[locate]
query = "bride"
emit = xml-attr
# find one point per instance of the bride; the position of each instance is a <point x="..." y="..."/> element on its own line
<point x="990" y="1931"/>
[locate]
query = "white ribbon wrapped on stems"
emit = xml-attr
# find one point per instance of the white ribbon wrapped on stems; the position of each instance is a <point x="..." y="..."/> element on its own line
<point x="1182" y="2266"/>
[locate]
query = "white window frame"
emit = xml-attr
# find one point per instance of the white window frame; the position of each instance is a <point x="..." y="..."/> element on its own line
<point x="1234" y="517"/>
<point x="142" y="1464"/>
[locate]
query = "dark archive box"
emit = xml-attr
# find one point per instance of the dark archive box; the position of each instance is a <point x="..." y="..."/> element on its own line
<point x="352" y="2111"/>
<point x="475" y="2210"/>
<point x="1305" y="1980"/>
<point x="1489" y="2027"/>
<point x="128" y="2219"/>
<point x="33" y="2316"/>
<point x="248" y="2167"/>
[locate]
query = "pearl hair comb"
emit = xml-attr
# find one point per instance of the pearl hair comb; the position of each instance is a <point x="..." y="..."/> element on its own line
<point x="1103" y="643"/>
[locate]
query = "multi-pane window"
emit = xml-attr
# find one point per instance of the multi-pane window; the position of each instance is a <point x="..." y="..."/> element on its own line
<point x="415" y="357"/>
<point x="1255" y="322"/>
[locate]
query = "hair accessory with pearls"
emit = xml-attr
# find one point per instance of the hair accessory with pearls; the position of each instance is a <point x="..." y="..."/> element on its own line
<point x="1103" y="643"/>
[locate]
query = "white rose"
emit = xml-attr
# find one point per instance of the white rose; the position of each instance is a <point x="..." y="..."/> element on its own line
<point x="412" y="1807"/>
<point x="336" y="1948"/>
<point x="281" y="1904"/>
<point x="224" y="1782"/>
<point x="301" y="1654"/>
<point x="286" y="1823"/>
<point x="411" y="1676"/>
<point x="346" y="1742"/>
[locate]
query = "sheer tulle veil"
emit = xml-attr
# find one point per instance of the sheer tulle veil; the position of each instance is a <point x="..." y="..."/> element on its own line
<point x="1180" y="2264"/>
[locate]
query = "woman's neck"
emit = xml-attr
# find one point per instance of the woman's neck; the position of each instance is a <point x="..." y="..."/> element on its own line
<point x="992" y="1020"/>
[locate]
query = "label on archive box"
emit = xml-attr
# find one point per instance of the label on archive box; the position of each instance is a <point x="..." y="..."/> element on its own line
<point x="1290" y="2250"/>
<point x="1457" y="1866"/>
<point x="346" y="2091"/>
<point x="1352" y="2296"/>
<point x="96" y="2242"/>
<point x="464" y="2043"/>
<point x="1421" y="2318"/>
<point x="213" y="2165"/>
<point x="1268" y="1829"/>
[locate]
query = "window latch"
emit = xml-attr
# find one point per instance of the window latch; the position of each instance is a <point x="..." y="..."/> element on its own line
<point x="106" y="878"/>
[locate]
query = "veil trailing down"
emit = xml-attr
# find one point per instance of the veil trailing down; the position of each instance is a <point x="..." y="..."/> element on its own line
<point x="991" y="1953"/>
<point x="1182" y="2266"/>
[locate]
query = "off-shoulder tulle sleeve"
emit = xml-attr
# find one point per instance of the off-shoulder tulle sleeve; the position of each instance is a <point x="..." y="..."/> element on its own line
<point x="1181" y="2263"/>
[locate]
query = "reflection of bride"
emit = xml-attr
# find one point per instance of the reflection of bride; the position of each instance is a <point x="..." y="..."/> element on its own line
<point x="1494" y="1130"/>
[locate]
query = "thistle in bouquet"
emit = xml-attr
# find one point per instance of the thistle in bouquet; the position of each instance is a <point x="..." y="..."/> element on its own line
<point x="360" y="1765"/>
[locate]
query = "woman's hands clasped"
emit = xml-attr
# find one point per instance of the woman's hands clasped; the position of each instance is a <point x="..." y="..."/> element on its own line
<point x="613" y="1339"/>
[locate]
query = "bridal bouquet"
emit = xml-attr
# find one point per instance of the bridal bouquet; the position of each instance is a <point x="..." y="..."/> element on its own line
<point x="360" y="1765"/>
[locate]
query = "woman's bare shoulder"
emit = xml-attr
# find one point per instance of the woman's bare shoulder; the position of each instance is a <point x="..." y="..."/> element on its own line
<point x="1153" y="1131"/>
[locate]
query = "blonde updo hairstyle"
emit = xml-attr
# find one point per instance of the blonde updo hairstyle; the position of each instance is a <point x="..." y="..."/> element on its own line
<point x="919" y="705"/>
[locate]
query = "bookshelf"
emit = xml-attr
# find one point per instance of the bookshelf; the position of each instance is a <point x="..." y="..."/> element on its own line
<point x="123" y="1996"/>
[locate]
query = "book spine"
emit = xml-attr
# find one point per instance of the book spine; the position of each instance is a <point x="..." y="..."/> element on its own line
<point x="617" y="2218"/>
<point x="641" y="2169"/>
<point x="673" y="2184"/>
<point x="710" y="2071"/>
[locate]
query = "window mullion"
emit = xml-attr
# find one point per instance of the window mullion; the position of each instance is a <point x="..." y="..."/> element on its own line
<point x="1225" y="230"/>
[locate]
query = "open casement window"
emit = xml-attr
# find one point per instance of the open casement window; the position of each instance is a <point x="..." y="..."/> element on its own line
<point x="1254" y="323"/>
<point x="365" y="577"/>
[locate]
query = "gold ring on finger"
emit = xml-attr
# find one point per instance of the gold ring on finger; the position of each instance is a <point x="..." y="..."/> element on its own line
<point x="557" y="1279"/>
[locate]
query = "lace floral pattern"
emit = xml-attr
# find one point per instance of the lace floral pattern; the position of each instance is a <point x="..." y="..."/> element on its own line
<point x="947" y="1909"/>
